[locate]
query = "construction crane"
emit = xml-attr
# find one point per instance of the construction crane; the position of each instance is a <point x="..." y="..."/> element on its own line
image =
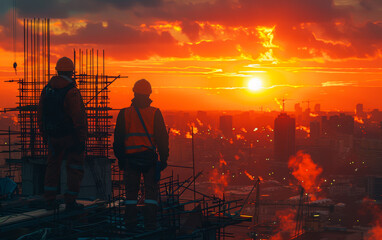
<point x="300" y="214"/>
<point x="283" y="100"/>
<point x="309" y="101"/>
<point x="255" y="217"/>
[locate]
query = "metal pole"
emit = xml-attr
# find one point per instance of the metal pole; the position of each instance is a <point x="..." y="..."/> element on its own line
<point x="193" y="160"/>
<point x="24" y="51"/>
<point x="48" y="33"/>
<point x="74" y="61"/>
<point x="9" y="142"/>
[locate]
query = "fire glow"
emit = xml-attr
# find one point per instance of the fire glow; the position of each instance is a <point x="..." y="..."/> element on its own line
<point x="375" y="233"/>
<point x="306" y="172"/>
<point x="305" y="129"/>
<point x="240" y="137"/>
<point x="287" y="224"/>
<point x="174" y="132"/>
<point x="358" y="120"/>
<point x="219" y="179"/>
<point x="279" y="104"/>
<point x="249" y="175"/>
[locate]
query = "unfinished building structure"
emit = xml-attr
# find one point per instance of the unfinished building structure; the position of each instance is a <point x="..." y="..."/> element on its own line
<point x="206" y="217"/>
<point x="93" y="85"/>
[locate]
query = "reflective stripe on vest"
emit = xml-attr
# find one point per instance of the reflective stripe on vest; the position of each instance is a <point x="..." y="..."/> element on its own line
<point x="135" y="136"/>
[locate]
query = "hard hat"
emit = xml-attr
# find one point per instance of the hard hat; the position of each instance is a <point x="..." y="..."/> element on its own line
<point x="64" y="64"/>
<point x="142" y="87"/>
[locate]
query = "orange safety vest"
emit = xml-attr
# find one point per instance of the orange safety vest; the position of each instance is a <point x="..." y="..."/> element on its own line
<point x="136" y="139"/>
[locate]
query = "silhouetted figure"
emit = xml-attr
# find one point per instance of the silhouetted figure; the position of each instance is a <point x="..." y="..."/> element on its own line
<point x="140" y="131"/>
<point x="63" y="124"/>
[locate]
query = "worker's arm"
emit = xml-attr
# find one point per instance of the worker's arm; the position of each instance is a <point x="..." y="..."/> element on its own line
<point x="75" y="108"/>
<point x="39" y="114"/>
<point x="161" y="137"/>
<point x="119" y="135"/>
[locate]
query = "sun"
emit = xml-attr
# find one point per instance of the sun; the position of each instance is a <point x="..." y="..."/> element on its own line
<point x="255" y="84"/>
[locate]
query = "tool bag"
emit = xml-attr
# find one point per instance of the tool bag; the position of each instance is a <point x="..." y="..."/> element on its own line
<point x="143" y="161"/>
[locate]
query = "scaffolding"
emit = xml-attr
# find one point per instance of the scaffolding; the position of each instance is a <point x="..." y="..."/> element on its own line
<point x="92" y="83"/>
<point x="36" y="75"/>
<point x="206" y="217"/>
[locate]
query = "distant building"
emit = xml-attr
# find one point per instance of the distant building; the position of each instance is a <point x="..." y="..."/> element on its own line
<point x="374" y="188"/>
<point x="298" y="108"/>
<point x="338" y="125"/>
<point x="306" y="117"/>
<point x="202" y="115"/>
<point x="284" y="138"/>
<point x="298" y="113"/>
<point x="359" y="110"/>
<point x="317" y="108"/>
<point x="369" y="153"/>
<point x="376" y="115"/>
<point x="315" y="130"/>
<point x="225" y="125"/>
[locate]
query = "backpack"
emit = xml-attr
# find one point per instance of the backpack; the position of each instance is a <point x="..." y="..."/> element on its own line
<point x="56" y="122"/>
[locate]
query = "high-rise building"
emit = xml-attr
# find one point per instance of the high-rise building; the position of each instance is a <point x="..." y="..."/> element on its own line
<point x="298" y="108"/>
<point x="317" y="108"/>
<point x="369" y="151"/>
<point x="315" y="130"/>
<point x="338" y="124"/>
<point x="285" y="135"/>
<point x="359" y="109"/>
<point x="202" y="115"/>
<point x="298" y="113"/>
<point x="225" y="125"/>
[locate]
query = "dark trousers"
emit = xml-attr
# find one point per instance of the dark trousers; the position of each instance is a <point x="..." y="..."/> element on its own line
<point x="132" y="177"/>
<point x="60" y="149"/>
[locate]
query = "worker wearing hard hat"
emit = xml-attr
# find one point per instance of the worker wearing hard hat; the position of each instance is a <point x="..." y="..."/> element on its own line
<point x="63" y="125"/>
<point x="140" y="134"/>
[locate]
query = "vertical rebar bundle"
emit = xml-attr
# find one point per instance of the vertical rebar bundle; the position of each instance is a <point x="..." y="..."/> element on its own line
<point x="36" y="75"/>
<point x="92" y="83"/>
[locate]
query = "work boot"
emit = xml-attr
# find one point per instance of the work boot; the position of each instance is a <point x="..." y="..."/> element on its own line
<point x="131" y="212"/>
<point x="51" y="205"/>
<point x="73" y="206"/>
<point x="150" y="217"/>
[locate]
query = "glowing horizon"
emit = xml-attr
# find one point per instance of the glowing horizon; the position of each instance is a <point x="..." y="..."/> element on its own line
<point x="207" y="59"/>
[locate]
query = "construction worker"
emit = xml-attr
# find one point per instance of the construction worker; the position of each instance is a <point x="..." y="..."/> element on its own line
<point x="140" y="132"/>
<point x="63" y="124"/>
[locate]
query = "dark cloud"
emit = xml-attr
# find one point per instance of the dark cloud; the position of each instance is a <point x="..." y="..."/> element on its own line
<point x="5" y="5"/>
<point x="251" y="12"/>
<point x="362" y="42"/>
<point x="64" y="9"/>
<point x="130" y="3"/>
<point x="191" y="29"/>
<point x="304" y="28"/>
<point x="124" y="42"/>
<point x="371" y="4"/>
<point x="113" y="33"/>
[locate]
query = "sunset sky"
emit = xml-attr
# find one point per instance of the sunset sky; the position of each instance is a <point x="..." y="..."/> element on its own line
<point x="200" y="54"/>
